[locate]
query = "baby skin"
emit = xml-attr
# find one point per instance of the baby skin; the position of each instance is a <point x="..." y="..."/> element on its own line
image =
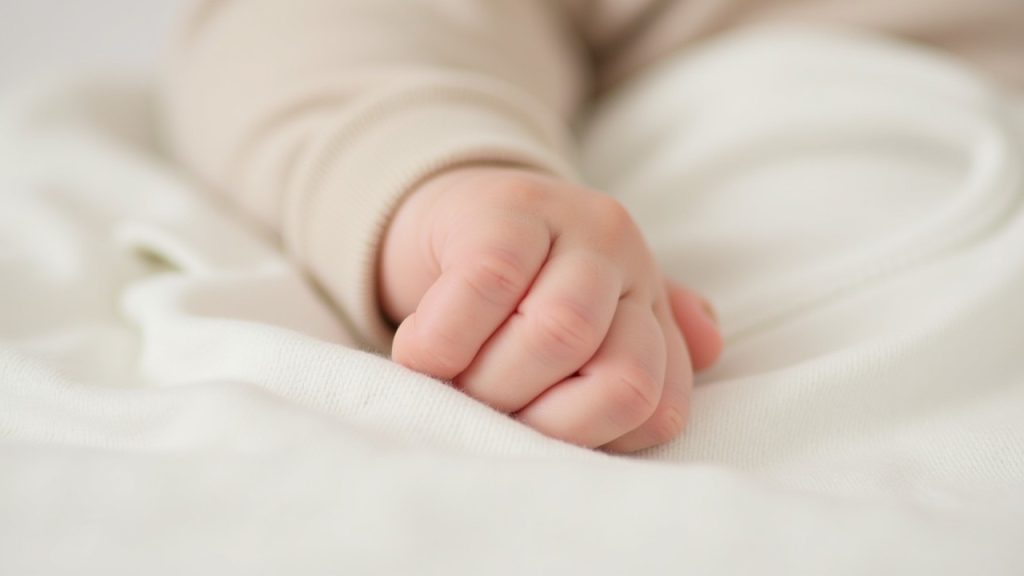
<point x="541" y="299"/>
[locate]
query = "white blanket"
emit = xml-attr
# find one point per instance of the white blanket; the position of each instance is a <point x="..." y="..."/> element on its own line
<point x="175" y="396"/>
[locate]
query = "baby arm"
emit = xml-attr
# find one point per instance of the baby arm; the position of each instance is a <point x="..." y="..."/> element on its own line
<point x="331" y="121"/>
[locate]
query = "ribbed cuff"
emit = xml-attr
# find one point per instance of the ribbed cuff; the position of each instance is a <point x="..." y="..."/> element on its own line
<point x="356" y="175"/>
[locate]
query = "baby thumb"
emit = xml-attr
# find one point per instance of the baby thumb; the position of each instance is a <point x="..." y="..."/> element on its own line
<point x="696" y="318"/>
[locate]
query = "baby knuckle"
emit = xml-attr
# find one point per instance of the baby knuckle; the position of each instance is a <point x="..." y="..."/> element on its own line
<point x="439" y="365"/>
<point x="563" y="329"/>
<point x="497" y="277"/>
<point x="636" y="393"/>
<point x="526" y="194"/>
<point x="612" y="218"/>
<point x="438" y="356"/>
<point x="667" y="425"/>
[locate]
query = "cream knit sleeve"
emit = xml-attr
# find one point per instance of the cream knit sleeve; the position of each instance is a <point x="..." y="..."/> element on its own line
<point x="317" y="116"/>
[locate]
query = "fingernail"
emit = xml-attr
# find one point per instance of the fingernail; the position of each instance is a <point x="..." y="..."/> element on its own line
<point x="709" y="311"/>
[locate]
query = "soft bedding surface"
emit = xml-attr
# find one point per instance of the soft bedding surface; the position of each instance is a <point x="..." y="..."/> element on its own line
<point x="175" y="397"/>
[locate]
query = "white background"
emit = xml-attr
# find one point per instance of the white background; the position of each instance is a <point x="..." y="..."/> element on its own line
<point x="46" y="37"/>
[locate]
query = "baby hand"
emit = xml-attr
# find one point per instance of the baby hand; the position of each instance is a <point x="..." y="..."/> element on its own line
<point x="541" y="299"/>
